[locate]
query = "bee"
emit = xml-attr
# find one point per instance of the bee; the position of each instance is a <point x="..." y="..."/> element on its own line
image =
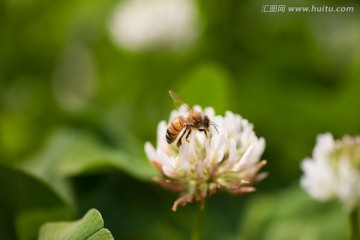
<point x="194" y="121"/>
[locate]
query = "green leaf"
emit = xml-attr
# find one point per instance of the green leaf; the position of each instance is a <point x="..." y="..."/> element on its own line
<point x="70" y="153"/>
<point x="101" y="234"/>
<point x="27" y="202"/>
<point x="89" y="227"/>
<point x="27" y="222"/>
<point x="87" y="154"/>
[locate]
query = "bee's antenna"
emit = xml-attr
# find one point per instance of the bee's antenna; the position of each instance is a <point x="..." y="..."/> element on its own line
<point x="214" y="125"/>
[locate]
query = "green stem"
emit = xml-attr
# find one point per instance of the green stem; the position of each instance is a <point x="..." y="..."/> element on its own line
<point x="354" y="223"/>
<point x="198" y="230"/>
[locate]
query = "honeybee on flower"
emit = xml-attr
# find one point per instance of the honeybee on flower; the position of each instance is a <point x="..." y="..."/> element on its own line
<point x="185" y="124"/>
<point x="205" y="163"/>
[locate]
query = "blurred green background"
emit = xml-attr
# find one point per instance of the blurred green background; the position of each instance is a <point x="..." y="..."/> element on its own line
<point x="76" y="110"/>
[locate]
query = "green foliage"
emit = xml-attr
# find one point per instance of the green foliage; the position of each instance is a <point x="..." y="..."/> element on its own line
<point x="292" y="215"/>
<point x="27" y="202"/>
<point x="206" y="85"/>
<point x="70" y="153"/>
<point x="89" y="227"/>
<point x="75" y="112"/>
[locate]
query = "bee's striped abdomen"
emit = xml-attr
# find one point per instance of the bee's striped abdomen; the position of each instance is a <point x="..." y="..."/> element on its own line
<point x="174" y="129"/>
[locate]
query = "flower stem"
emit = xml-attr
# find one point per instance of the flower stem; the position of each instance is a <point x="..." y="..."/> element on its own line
<point x="354" y="222"/>
<point x="198" y="230"/>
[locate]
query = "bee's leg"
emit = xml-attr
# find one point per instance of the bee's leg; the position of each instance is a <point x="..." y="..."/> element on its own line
<point x="179" y="141"/>
<point x="204" y="131"/>
<point x="187" y="136"/>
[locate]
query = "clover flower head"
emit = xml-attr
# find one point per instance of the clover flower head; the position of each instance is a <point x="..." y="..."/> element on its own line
<point x="226" y="159"/>
<point x="154" y="24"/>
<point x="334" y="170"/>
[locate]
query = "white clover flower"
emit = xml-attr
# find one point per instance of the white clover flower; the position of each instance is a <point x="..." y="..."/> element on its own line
<point x="227" y="159"/>
<point x="154" y="24"/>
<point x="334" y="170"/>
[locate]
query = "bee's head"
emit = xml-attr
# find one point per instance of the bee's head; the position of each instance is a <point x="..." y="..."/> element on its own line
<point x="206" y="121"/>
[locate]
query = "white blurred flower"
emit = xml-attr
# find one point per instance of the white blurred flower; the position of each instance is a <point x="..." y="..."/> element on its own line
<point x="227" y="159"/>
<point x="334" y="170"/>
<point x="154" y="24"/>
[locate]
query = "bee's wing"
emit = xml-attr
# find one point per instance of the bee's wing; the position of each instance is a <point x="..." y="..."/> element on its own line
<point x="183" y="106"/>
